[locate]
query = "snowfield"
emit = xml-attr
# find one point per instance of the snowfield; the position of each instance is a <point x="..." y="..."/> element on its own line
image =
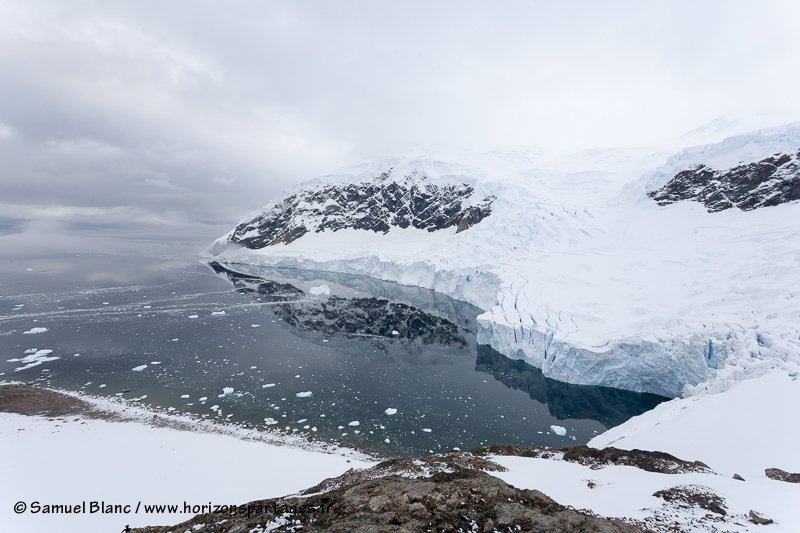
<point x="73" y="459"/>
<point x="741" y="431"/>
<point x="581" y="275"/>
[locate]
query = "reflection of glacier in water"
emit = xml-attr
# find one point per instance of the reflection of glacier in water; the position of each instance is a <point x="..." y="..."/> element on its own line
<point x="306" y="353"/>
<point x="610" y="407"/>
<point x="379" y="317"/>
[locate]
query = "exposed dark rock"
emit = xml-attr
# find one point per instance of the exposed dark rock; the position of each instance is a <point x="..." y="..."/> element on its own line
<point x="691" y="496"/>
<point x="389" y="499"/>
<point x="738" y="477"/>
<point x="782" y="475"/>
<point x="772" y="181"/>
<point x="660" y="462"/>
<point x="377" y="205"/>
<point x="758" y="519"/>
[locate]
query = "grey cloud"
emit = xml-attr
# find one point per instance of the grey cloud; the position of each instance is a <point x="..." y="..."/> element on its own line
<point x="189" y="114"/>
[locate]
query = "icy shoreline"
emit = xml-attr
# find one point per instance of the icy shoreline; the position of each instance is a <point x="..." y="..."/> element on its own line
<point x="122" y="410"/>
<point x="118" y="461"/>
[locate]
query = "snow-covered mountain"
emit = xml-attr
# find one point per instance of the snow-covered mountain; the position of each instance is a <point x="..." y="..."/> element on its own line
<point x="770" y="181"/>
<point x="580" y="271"/>
<point x="380" y="204"/>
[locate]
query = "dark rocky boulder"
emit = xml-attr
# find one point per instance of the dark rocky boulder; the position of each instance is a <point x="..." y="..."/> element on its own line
<point x="758" y="519"/>
<point x="771" y="181"/>
<point x="782" y="475"/>
<point x="688" y="496"/>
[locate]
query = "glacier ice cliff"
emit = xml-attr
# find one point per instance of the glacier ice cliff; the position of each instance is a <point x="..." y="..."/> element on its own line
<point x="576" y="276"/>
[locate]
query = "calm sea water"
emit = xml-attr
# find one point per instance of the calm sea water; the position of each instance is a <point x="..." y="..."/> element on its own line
<point x="322" y="355"/>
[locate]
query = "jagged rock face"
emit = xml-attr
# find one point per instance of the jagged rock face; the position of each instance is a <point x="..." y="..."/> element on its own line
<point x="377" y="205"/>
<point x="771" y="181"/>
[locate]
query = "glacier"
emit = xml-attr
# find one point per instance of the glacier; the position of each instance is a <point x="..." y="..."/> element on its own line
<point x="578" y="272"/>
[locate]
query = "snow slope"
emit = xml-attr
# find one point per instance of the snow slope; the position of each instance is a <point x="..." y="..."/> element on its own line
<point x="591" y="284"/>
<point x="71" y="460"/>
<point x="741" y="431"/>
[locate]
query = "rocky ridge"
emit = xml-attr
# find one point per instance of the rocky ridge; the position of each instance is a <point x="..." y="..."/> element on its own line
<point x="768" y="182"/>
<point x="377" y="205"/>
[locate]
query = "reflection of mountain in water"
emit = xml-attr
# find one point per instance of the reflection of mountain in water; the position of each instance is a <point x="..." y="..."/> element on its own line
<point x="373" y="317"/>
<point x="370" y="316"/>
<point x="608" y="406"/>
<point x="404" y="330"/>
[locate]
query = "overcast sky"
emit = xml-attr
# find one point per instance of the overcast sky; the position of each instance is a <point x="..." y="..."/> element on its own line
<point x="172" y="120"/>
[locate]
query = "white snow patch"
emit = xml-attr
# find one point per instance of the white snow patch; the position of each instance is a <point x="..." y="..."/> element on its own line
<point x="93" y="448"/>
<point x="729" y="431"/>
<point x="320" y="290"/>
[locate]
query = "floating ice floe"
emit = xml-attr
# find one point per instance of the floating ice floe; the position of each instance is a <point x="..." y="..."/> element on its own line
<point x="354" y="423"/>
<point x="270" y="421"/>
<point x="320" y="290"/>
<point x="427" y="430"/>
<point x="559" y="430"/>
<point x="202" y="399"/>
<point x="184" y="396"/>
<point x="33" y="359"/>
<point x="395" y="332"/>
<point x="155" y="362"/>
<point x="227" y="390"/>
<point x="34" y="331"/>
<point x="305" y="394"/>
<point x="217" y="313"/>
<point x="391" y="411"/>
<point x="267" y="385"/>
<point x="193" y="316"/>
<point x="139" y="368"/>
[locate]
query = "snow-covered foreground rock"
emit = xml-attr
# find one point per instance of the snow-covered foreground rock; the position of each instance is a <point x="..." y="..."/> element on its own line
<point x="579" y="272"/>
<point x="72" y="460"/>
<point x="744" y="431"/>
